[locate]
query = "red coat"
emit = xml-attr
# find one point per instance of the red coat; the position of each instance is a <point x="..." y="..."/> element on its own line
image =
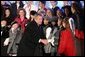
<point x="79" y="34"/>
<point x="21" y="23"/>
<point x="67" y="45"/>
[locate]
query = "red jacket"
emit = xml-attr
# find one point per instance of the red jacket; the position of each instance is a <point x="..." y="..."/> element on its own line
<point x="21" y="23"/>
<point x="66" y="44"/>
<point x="79" y="34"/>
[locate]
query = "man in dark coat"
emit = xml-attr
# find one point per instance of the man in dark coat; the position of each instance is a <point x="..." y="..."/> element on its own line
<point x="33" y="39"/>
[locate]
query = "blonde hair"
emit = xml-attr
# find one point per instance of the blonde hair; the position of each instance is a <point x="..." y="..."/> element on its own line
<point x="65" y="20"/>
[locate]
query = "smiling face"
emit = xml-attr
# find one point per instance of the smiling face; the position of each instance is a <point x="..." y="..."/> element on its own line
<point x="21" y="13"/>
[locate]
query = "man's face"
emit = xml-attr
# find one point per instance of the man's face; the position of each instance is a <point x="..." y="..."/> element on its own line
<point x="39" y="20"/>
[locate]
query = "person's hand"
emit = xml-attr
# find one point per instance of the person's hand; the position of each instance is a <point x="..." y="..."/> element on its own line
<point x="44" y="41"/>
<point x="6" y="42"/>
<point x="9" y="26"/>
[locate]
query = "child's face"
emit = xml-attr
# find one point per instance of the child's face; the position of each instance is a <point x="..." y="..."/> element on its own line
<point x="45" y="21"/>
<point x="3" y="23"/>
<point x="15" y="26"/>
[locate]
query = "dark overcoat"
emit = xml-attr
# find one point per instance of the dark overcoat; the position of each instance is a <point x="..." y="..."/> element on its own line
<point x="29" y="44"/>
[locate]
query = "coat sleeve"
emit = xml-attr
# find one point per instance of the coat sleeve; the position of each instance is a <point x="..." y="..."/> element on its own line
<point x="62" y="43"/>
<point x="79" y="34"/>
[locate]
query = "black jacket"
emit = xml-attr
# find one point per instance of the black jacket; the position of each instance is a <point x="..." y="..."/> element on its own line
<point x="29" y="44"/>
<point x="4" y="35"/>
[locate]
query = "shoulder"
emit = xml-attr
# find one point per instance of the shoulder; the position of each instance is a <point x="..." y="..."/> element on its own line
<point x="26" y="19"/>
<point x="17" y="18"/>
<point x="31" y="24"/>
<point x="65" y="32"/>
<point x="49" y="29"/>
<point x="68" y="33"/>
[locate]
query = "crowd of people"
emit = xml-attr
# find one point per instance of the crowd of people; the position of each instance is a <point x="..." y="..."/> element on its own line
<point x="30" y="30"/>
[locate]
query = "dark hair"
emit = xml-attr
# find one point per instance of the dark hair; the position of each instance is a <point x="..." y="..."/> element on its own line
<point x="4" y="15"/>
<point x="37" y="15"/>
<point x="13" y="23"/>
<point x="33" y="12"/>
<point x="20" y="10"/>
<point x="52" y="12"/>
<point x="69" y="9"/>
<point x="61" y="13"/>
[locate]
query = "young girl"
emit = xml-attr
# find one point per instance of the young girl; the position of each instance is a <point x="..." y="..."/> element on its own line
<point x="15" y="34"/>
<point x="66" y="44"/>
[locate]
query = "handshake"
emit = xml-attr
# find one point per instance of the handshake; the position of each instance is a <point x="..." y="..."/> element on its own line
<point x="44" y="41"/>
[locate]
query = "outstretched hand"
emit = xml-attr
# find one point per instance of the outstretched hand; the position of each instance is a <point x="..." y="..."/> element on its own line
<point x="44" y="41"/>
